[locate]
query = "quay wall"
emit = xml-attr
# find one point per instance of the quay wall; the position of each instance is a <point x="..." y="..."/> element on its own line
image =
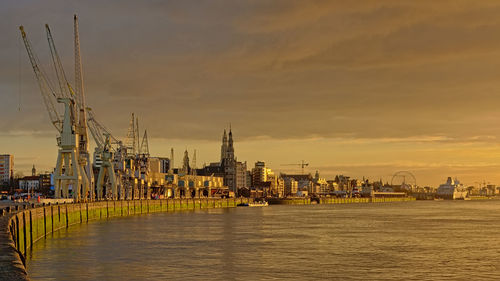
<point x="20" y="229"/>
<point x="333" y="200"/>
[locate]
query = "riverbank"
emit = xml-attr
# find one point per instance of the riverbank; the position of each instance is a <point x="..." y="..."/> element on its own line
<point x="20" y="229"/>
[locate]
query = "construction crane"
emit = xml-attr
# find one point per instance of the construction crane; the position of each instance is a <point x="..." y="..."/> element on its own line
<point x="70" y="167"/>
<point x="302" y="165"/>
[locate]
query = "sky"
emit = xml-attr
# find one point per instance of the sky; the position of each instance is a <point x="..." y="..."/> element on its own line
<point x="360" y="88"/>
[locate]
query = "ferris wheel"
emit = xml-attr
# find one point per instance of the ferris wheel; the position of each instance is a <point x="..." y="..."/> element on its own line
<point x="404" y="179"/>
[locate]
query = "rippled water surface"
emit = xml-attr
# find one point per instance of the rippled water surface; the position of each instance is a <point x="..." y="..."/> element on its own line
<point x="433" y="240"/>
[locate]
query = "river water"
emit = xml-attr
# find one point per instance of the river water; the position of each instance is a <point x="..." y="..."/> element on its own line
<point x="422" y="240"/>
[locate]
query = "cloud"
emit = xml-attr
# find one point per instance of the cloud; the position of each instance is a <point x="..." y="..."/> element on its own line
<point x="386" y="81"/>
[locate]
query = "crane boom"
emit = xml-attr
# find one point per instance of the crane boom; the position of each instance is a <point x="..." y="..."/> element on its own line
<point x="64" y="87"/>
<point x="302" y="165"/>
<point x="96" y="134"/>
<point x="99" y="131"/>
<point x="48" y="94"/>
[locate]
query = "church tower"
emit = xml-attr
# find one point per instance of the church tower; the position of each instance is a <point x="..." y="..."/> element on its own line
<point x="33" y="171"/>
<point x="228" y="162"/>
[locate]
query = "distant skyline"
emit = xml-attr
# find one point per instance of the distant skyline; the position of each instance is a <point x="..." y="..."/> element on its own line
<point x="364" y="88"/>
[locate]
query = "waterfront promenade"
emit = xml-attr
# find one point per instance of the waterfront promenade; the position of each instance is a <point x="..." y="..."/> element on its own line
<point x="24" y="225"/>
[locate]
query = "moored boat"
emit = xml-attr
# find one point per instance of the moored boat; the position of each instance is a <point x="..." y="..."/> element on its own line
<point x="258" y="204"/>
<point x="452" y="190"/>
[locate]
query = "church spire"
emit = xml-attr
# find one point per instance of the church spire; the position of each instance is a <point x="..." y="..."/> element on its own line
<point x="223" y="148"/>
<point x="230" y="138"/>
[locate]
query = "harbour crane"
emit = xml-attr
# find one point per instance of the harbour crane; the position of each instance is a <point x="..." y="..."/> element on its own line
<point x="302" y="165"/>
<point x="109" y="151"/>
<point x="78" y="110"/>
<point x="123" y="164"/>
<point x="70" y="167"/>
<point x="107" y="171"/>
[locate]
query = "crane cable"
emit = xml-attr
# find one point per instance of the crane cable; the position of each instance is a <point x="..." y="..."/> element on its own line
<point x="19" y="90"/>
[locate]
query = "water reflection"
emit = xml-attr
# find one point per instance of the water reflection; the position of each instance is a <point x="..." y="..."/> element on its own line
<point x="399" y="241"/>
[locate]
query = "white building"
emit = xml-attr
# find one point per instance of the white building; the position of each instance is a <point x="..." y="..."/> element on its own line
<point x="30" y="183"/>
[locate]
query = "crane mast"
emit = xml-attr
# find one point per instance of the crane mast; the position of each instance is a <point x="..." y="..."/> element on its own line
<point x="84" y="159"/>
<point x="145" y="144"/>
<point x="130" y="142"/>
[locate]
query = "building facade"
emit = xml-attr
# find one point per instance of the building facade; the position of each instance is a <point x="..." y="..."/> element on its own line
<point x="164" y="165"/>
<point x="30" y="183"/>
<point x="291" y="186"/>
<point x="259" y="173"/>
<point x="6" y="169"/>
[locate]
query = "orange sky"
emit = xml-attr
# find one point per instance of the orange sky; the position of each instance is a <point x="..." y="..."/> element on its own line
<point x="365" y="88"/>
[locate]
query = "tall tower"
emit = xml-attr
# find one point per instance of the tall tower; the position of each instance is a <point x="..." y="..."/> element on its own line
<point x="223" y="148"/>
<point x="193" y="168"/>
<point x="33" y="171"/>
<point x="229" y="164"/>
<point x="230" y="148"/>
<point x="171" y="161"/>
<point x="185" y="164"/>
